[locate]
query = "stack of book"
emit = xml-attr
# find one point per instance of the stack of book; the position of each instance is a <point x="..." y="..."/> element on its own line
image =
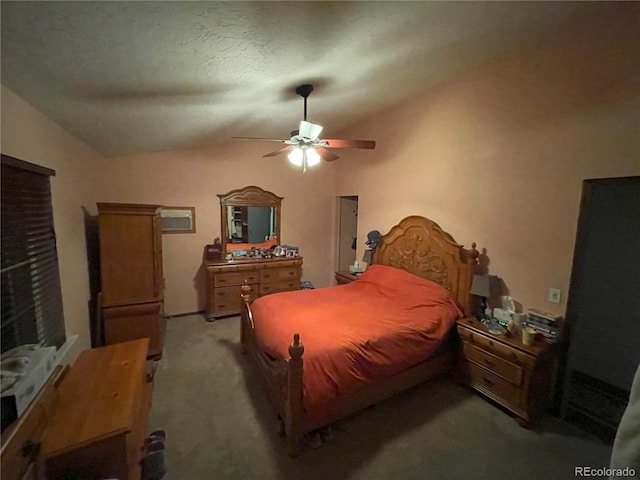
<point x="549" y="326"/>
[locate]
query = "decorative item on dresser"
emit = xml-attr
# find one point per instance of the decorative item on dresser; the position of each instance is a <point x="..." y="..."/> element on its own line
<point x="250" y="226"/>
<point x="514" y="375"/>
<point x="131" y="299"/>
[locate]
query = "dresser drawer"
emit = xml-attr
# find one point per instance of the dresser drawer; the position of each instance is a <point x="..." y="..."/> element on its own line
<point x="228" y="299"/>
<point x="237" y="278"/>
<point x="279" y="274"/>
<point x="496" y="365"/>
<point x="495" y="347"/>
<point x="492" y="385"/>
<point x="274" y="287"/>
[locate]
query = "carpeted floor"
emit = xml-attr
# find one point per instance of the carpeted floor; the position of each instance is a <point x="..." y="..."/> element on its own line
<point x="220" y="426"/>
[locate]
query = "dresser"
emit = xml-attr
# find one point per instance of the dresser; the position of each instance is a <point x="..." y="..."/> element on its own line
<point x="516" y="376"/>
<point x="265" y="276"/>
<point x="131" y="299"/>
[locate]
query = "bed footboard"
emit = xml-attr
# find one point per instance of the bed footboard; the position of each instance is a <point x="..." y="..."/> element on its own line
<point x="282" y="379"/>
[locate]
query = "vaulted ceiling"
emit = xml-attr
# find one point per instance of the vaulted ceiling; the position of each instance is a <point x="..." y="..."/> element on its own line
<point x="130" y="77"/>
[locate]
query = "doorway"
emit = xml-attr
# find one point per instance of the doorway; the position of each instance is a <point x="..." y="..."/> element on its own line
<point x="347" y="231"/>
<point x="603" y="308"/>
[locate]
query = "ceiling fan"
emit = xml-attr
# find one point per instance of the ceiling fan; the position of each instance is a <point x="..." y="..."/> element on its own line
<point x="305" y="148"/>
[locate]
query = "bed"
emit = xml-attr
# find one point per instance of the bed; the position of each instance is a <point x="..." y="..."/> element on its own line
<point x="365" y="341"/>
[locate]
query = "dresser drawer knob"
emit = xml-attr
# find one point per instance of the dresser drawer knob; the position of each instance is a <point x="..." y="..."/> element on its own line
<point x="267" y="275"/>
<point x="220" y="294"/>
<point x="487" y="381"/>
<point x="491" y="342"/>
<point x="291" y="274"/>
<point x="489" y="363"/>
<point x="266" y="288"/>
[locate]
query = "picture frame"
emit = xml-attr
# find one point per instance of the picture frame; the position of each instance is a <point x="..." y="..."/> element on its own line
<point x="178" y="219"/>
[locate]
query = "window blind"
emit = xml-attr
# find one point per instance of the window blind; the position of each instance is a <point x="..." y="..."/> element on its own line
<point x="31" y="295"/>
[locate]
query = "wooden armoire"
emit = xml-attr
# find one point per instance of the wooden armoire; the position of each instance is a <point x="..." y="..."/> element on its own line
<point x="131" y="304"/>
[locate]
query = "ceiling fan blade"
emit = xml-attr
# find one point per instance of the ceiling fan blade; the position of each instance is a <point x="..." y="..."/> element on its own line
<point x="309" y="130"/>
<point x="258" y="138"/>
<point x="325" y="154"/>
<point x="369" y="144"/>
<point x="279" y="151"/>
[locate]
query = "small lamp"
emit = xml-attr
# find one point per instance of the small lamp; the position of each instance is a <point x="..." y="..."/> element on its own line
<point x="481" y="287"/>
<point x="374" y="238"/>
<point x="367" y="257"/>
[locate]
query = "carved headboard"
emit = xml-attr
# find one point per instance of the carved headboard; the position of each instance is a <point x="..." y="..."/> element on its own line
<point x="419" y="246"/>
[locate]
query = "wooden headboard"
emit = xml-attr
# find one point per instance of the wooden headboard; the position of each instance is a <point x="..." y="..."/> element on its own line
<point x="419" y="246"/>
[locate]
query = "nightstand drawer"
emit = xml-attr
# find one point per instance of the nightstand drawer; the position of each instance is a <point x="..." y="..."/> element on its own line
<point x="278" y="274"/>
<point x="492" y="385"/>
<point x="496" y="365"/>
<point x="494" y="346"/>
<point x="239" y="278"/>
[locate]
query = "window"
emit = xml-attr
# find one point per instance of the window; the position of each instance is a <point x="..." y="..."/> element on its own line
<point x="31" y="296"/>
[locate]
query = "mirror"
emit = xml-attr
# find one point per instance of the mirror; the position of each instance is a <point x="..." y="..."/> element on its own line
<point x="250" y="217"/>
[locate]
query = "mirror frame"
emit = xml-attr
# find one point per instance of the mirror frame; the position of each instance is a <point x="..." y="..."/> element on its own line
<point x="250" y="196"/>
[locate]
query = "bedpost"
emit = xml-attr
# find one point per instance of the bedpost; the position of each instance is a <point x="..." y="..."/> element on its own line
<point x="246" y="317"/>
<point x="293" y="408"/>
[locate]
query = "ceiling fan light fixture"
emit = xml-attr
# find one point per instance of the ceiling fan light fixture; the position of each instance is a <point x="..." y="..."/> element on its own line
<point x="304" y="157"/>
<point x="313" y="158"/>
<point x="295" y="156"/>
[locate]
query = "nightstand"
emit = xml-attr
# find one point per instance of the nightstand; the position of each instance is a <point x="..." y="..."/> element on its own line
<point x="345" y="277"/>
<point x="516" y="376"/>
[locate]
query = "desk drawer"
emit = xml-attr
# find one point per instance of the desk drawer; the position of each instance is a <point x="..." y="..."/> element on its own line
<point x="275" y="287"/>
<point x="494" y="386"/>
<point x="239" y="278"/>
<point x="279" y="274"/>
<point x="496" y="365"/>
<point x="485" y="343"/>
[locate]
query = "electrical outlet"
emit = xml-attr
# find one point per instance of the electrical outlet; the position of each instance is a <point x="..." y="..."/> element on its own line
<point x="554" y="295"/>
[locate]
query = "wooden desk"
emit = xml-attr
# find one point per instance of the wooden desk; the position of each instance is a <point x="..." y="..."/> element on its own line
<point x="91" y="422"/>
<point x="100" y="423"/>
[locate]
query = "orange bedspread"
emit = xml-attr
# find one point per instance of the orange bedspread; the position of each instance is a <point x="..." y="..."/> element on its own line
<point x="354" y="334"/>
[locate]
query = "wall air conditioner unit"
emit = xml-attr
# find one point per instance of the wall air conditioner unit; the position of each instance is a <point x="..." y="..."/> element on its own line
<point x="178" y="219"/>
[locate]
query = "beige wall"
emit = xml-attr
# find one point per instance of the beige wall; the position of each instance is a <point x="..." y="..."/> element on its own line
<point x="30" y="136"/>
<point x="497" y="156"/>
<point x="195" y="177"/>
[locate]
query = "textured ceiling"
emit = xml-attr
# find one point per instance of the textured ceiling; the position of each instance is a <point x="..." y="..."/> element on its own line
<point x="130" y="77"/>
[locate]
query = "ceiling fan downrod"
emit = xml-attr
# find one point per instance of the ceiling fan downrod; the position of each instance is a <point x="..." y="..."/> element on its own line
<point x="304" y="91"/>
